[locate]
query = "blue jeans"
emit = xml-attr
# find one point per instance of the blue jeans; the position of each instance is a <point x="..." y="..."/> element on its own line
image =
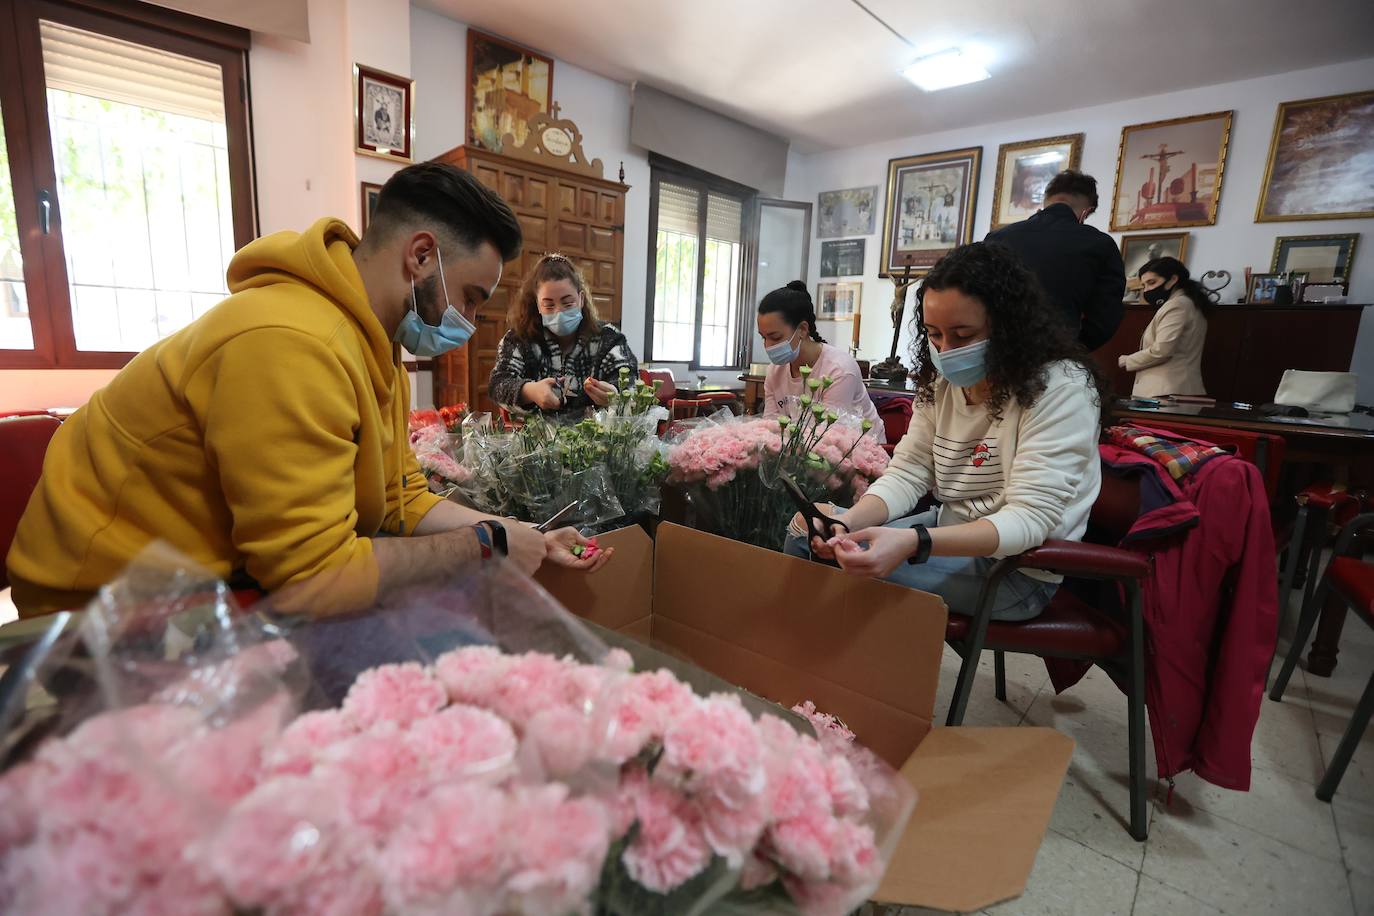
<point x="959" y="580"/>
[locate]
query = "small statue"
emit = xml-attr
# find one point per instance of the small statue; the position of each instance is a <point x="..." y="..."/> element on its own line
<point x="892" y="368"/>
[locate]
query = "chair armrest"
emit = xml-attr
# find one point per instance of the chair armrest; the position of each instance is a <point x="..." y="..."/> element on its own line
<point x="1091" y="561"/>
<point x="1352" y="528"/>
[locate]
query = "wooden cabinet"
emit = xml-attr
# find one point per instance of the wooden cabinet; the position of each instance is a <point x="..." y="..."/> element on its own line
<point x="1249" y="346"/>
<point x="575" y="214"/>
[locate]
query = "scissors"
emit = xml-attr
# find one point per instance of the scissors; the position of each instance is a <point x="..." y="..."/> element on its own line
<point x="557" y="517"/>
<point x="817" y="525"/>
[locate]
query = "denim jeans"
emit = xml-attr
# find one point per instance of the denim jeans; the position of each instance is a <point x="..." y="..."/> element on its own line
<point x="959" y="580"/>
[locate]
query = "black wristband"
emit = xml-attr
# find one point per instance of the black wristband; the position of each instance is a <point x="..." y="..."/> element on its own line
<point x="923" y="545"/>
<point x="498" y="538"/>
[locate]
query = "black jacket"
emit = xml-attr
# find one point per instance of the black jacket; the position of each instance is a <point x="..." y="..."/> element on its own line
<point x="1079" y="267"/>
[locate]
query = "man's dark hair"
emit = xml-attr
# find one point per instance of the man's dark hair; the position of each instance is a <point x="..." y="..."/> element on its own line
<point x="469" y="211"/>
<point x="1073" y="183"/>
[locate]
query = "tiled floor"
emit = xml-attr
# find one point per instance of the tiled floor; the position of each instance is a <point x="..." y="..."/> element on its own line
<point x="1274" y="850"/>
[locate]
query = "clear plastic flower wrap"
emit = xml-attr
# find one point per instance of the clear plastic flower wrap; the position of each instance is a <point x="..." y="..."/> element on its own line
<point x="730" y="467"/>
<point x="464" y="746"/>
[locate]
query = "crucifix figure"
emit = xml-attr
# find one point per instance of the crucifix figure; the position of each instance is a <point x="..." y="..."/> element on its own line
<point x="555" y="108"/>
<point x="930" y="198"/>
<point x="1162" y="157"/>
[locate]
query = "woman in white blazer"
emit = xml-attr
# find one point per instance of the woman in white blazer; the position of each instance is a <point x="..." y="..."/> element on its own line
<point x="1169" y="360"/>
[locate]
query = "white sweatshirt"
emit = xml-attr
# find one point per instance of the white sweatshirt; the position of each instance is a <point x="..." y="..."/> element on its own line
<point x="1034" y="474"/>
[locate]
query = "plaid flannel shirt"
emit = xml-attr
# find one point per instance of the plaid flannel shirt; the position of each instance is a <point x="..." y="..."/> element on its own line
<point x="1179" y="457"/>
<point x="600" y="356"/>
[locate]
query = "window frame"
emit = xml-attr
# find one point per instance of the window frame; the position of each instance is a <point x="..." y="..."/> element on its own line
<point x="23" y="97"/>
<point x="661" y="168"/>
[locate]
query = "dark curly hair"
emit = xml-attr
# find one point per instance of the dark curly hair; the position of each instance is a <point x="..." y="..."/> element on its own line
<point x="1026" y="333"/>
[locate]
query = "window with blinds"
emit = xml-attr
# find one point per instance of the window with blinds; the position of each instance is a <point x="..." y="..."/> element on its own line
<point x="139" y="143"/>
<point x="697" y="283"/>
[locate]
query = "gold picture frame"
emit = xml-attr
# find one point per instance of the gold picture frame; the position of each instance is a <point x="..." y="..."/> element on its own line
<point x="1345" y="257"/>
<point x="1014" y="182"/>
<point x="910" y="215"/>
<point x="1334" y="149"/>
<point x="1177" y="204"/>
<point x="1136" y="249"/>
<point x="375" y="92"/>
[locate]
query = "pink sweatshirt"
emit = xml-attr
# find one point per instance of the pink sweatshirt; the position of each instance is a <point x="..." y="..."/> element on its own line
<point x="846" y="394"/>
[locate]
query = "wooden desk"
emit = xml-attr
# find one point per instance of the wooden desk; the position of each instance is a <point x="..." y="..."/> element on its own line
<point x="1249" y="346"/>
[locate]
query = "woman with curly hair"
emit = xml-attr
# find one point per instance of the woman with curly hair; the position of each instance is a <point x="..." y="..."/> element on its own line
<point x="1005" y="435"/>
<point x="558" y="357"/>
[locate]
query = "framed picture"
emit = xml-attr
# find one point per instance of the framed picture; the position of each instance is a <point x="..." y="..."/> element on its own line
<point x="1321" y="160"/>
<point x="1023" y="171"/>
<point x="1139" y="250"/>
<point x="370" y="192"/>
<point x="1263" y="286"/>
<point x="843" y="259"/>
<point x="848" y="212"/>
<point x="383" y="113"/>
<point x="1325" y="258"/>
<point x="507" y="85"/>
<point x="1168" y="173"/>
<point x="838" y="301"/>
<point x="930" y="201"/>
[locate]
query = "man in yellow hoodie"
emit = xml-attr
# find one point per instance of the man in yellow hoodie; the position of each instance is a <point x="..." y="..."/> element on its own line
<point x="268" y="439"/>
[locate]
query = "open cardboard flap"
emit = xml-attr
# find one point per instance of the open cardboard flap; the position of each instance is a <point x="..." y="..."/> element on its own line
<point x="864" y="650"/>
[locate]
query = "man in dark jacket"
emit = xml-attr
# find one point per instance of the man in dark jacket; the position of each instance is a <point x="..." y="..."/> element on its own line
<point x="1079" y="267"/>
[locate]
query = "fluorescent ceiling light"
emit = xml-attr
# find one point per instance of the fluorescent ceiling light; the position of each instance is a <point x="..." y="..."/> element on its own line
<point x="945" y="69"/>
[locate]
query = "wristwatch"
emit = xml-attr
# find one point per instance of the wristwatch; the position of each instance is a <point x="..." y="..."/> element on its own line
<point x="923" y="545"/>
<point x="491" y="538"/>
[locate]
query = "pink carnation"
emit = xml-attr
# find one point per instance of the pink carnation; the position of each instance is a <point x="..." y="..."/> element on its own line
<point x="806" y="844"/>
<point x="379" y="773"/>
<point x="715" y="748"/>
<point x="798" y="780"/>
<point x="223" y="764"/>
<point x="399" y="693"/>
<point x="472" y="674"/>
<point x="279" y="841"/>
<point x="305" y="739"/>
<point x="180" y="892"/>
<point x="150" y="728"/>
<point x="733" y="829"/>
<point x="428" y="863"/>
<point x="20" y="795"/>
<point x="669" y="848"/>
<point x="563" y="738"/>
<point x="463" y="742"/>
<point x="562" y="844"/>
<point x="641" y="708"/>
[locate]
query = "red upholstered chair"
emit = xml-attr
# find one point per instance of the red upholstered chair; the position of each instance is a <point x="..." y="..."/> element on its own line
<point x="896" y="413"/>
<point x="667" y="390"/>
<point x="23" y="443"/>
<point x="1353" y="580"/>
<point x="1069" y="628"/>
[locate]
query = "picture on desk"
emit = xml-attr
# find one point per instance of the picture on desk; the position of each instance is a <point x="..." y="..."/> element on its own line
<point x="1264" y="287"/>
<point x="1139" y="250"/>
<point x="838" y="301"/>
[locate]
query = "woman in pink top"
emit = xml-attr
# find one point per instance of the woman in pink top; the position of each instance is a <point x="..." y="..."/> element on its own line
<point x="787" y="324"/>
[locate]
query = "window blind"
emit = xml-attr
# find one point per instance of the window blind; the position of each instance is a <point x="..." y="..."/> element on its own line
<point x="109" y="68"/>
<point x="679" y="208"/>
<point x="723" y="218"/>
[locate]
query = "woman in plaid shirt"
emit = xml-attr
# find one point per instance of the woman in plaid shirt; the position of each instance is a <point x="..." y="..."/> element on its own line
<point x="557" y="357"/>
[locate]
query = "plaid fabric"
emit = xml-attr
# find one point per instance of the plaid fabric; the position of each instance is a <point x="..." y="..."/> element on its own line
<point x="599" y="356"/>
<point x="1179" y="457"/>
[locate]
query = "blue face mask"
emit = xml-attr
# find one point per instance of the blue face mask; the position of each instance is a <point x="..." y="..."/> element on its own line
<point x="780" y="354"/>
<point x="426" y="340"/>
<point x="964" y="367"/>
<point x="563" y="323"/>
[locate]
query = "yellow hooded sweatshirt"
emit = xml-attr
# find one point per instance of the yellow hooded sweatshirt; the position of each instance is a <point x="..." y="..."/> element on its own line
<point x="268" y="437"/>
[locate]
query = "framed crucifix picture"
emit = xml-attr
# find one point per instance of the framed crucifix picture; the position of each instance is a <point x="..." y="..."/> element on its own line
<point x="930" y="201"/>
<point x="1168" y="173"/>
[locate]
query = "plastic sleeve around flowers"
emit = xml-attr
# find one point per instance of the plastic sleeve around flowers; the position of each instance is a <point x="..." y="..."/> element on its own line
<point x="388" y="758"/>
<point x="910" y="474"/>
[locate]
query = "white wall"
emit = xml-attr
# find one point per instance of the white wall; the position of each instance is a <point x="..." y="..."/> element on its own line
<point x="1234" y="243"/>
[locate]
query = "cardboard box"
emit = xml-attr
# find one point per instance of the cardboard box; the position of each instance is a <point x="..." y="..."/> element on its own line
<point x="864" y="650"/>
